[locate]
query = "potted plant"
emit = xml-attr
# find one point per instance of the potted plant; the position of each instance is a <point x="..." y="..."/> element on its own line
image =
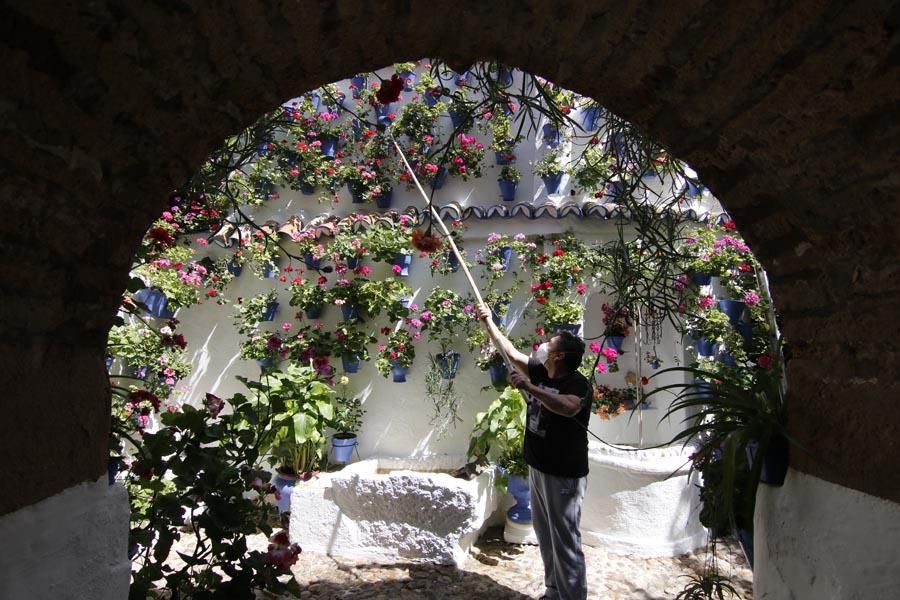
<point x="550" y="169"/>
<point x="499" y="433"/>
<point x="300" y="407"/>
<point x="391" y="242"/>
<point x="310" y="248"/>
<point x="461" y="111"/>
<point x="347" y="248"/>
<point x="593" y="169"/>
<point x="465" y="157"/>
<point x="407" y="72"/>
<point x="377" y="297"/>
<point x="563" y="314"/>
<point x="346" y="423"/>
<point x="310" y="296"/>
<point x="253" y="311"/>
<point x="504" y="142"/>
<point x="417" y="120"/>
<point x="430" y="88"/>
<point x="617" y="324"/>
<point x="396" y="355"/>
<point x="610" y="402"/>
<point x="267" y="349"/>
<point x="509" y="181"/>
<point x="157" y="357"/>
<point x="351" y="344"/>
<point x="444" y="318"/>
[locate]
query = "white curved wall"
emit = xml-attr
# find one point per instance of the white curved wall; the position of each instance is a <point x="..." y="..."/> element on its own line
<point x="817" y="540"/>
<point x="70" y="546"/>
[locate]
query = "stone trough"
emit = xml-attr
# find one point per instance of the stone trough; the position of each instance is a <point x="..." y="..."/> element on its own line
<point x="393" y="509"/>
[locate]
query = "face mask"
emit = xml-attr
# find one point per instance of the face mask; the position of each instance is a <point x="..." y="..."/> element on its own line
<point x="542" y="354"/>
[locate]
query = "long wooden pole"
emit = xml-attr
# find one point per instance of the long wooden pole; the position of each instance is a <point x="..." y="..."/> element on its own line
<point x="436" y="217"/>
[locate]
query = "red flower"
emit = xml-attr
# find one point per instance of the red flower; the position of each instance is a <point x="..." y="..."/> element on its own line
<point x="180" y="341"/>
<point x="212" y="293"/>
<point x="426" y="241"/>
<point x="644" y="381"/>
<point x="322" y="280"/>
<point x="390" y="89"/>
<point x="765" y="361"/>
<point x="729" y="225"/>
<point x="161" y="237"/>
<point x="541" y="299"/>
<point x="559" y="252"/>
<point x="139" y="396"/>
<point x="214" y="404"/>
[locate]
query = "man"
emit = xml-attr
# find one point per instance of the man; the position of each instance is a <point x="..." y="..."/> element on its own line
<point x="555" y="450"/>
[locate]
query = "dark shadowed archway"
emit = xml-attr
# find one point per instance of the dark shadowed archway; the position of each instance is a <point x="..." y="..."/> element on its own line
<point x="789" y="115"/>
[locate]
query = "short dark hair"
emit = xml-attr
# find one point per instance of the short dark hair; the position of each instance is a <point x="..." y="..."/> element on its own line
<point x="573" y="346"/>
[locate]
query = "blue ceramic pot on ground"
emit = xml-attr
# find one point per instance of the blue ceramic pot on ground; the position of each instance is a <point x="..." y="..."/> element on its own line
<point x="521" y="491"/>
<point x="403" y="261"/>
<point x="551" y="182"/>
<point x="342" y="446"/>
<point x="285" y="486"/>
<point x="271" y="310"/>
<point x="350" y="363"/>
<point x="447" y="364"/>
<point x="508" y="190"/>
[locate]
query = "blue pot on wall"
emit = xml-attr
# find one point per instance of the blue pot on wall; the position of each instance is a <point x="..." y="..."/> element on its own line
<point x="457" y="117"/>
<point x="505" y="258"/>
<point x="498" y="374"/>
<point x="350" y="362"/>
<point x="409" y="80"/>
<point x="342" y="446"/>
<point x="285" y="486"/>
<point x="551" y="182"/>
<point x="775" y="462"/>
<point x="589" y="118"/>
<point x="431" y="100"/>
<point x="398" y="373"/>
<point x="706" y="347"/>
<point x="382" y="112"/>
<point x="746" y="330"/>
<point x="520" y="490"/>
<point x="156" y="302"/>
<point x="403" y="261"/>
<point x="385" y="199"/>
<point x="353" y="262"/>
<point x="462" y="79"/>
<point x="508" y="190"/>
<point x="313" y="263"/>
<point x="551" y="135"/>
<point x="734" y="309"/>
<point x="358" y="83"/>
<point x="452" y="262"/>
<point x="329" y="146"/>
<point x="615" y="342"/>
<point x="315" y="311"/>
<point x="271" y="309"/>
<point x="447" y="364"/>
<point x="505" y="77"/>
<point x="701" y="278"/>
<point x="503" y="157"/>
<point x="439" y="179"/>
<point x="316" y="101"/>
<point x="234" y="268"/>
<point x="349" y="311"/>
<point x="496" y="317"/>
<point x="270" y="269"/>
<point x="573" y="328"/>
<point x="266" y="364"/>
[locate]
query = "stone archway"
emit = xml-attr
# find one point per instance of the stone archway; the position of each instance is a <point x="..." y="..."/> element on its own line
<point x="788" y="115"/>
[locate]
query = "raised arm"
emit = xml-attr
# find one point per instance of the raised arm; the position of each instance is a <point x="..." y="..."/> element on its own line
<point x="519" y="360"/>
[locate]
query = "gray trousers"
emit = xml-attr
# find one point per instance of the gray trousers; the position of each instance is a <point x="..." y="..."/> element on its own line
<point x="556" y="518"/>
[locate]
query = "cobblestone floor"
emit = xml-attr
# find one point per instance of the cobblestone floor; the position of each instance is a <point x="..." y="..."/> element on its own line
<point x="498" y="570"/>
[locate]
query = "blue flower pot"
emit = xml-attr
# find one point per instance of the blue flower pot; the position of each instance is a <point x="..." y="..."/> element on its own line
<point x="271" y="309"/>
<point x="315" y="311"/>
<point x="385" y="199"/>
<point x="462" y="79"/>
<point x="349" y="311"/>
<point x="358" y="83"/>
<point x="496" y="317"/>
<point x="355" y="197"/>
<point x="573" y="328"/>
<point x="703" y="389"/>
<point x="508" y="190"/>
<point x="447" y="364"/>
<point x="503" y="157"/>
<point x="285" y="486"/>
<point x="234" y="268"/>
<point x="342" y="447"/>
<point x="746" y="330"/>
<point x="108" y="362"/>
<point x="156" y="302"/>
<point x="615" y="342"/>
<point x="775" y="462"/>
<point x="589" y="118"/>
<point x="316" y="101"/>
<point x="498" y="374"/>
<point x="439" y="179"/>
<point x="734" y="309"/>
<point x="329" y="146"/>
<point x="452" y="262"/>
<point x="399" y="373"/>
<point x="701" y="278"/>
<point x="727" y="359"/>
<point x="706" y="347"/>
<point x="431" y="100"/>
<point x="551" y="182"/>
<point x="270" y="269"/>
<point x="505" y="77"/>
<point x="505" y="258"/>
<point x="409" y="80"/>
<point x="353" y="262"/>
<point x="350" y="363"/>
<point x="266" y="364"/>
<point x="381" y="112"/>
<point x="457" y="117"/>
<point x="521" y="491"/>
<point x="403" y="261"/>
<point x="313" y="264"/>
<point x="551" y="135"/>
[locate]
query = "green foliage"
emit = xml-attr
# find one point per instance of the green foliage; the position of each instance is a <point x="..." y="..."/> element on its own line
<point x="448" y="319"/>
<point x="499" y="433"/>
<point x="593" y="169"/>
<point x="562" y="312"/>
<point x="398" y="351"/>
<point x="306" y="293"/>
<point x="387" y="239"/>
<point x="549" y="164"/>
<point x="348" y="412"/>
<point x="250" y="312"/>
<point x="509" y="173"/>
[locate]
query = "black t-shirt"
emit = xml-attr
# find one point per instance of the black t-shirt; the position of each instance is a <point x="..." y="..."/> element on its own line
<point x="555" y="444"/>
